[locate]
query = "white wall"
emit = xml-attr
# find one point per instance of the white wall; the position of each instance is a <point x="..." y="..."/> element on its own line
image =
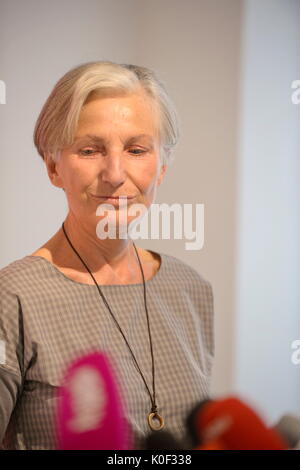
<point x="196" y="48"/>
<point x="268" y="273"/>
<point x="40" y="41"/>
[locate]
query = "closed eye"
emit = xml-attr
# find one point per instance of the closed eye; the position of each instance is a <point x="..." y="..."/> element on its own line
<point x="88" y="152"/>
<point x="137" y="151"/>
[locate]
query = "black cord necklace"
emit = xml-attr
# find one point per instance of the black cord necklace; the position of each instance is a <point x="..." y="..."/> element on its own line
<point x="155" y="421"/>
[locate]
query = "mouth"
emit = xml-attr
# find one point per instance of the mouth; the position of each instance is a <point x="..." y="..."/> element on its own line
<point x="113" y="199"/>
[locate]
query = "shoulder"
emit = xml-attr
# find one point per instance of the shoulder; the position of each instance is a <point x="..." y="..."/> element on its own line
<point x="192" y="291"/>
<point x="177" y="272"/>
<point x="18" y="266"/>
<point x="21" y="273"/>
<point x="180" y="267"/>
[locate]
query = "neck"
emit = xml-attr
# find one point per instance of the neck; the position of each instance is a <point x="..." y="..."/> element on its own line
<point x="93" y="250"/>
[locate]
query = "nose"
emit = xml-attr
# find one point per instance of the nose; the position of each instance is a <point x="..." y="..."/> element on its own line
<point x="113" y="171"/>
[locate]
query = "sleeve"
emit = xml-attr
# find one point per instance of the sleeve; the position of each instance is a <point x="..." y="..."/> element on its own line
<point x="207" y="325"/>
<point x="9" y="390"/>
<point x="11" y="355"/>
<point x="209" y="320"/>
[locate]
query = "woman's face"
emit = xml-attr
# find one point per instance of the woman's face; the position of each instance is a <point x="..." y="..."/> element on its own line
<point x="115" y="153"/>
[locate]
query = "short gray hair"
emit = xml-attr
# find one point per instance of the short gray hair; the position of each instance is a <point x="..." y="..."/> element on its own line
<point x="56" y="125"/>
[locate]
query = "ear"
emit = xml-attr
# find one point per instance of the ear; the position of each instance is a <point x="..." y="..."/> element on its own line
<point x="51" y="165"/>
<point x="163" y="169"/>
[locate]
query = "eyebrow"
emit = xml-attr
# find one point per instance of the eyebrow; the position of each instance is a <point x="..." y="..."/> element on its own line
<point x="97" y="138"/>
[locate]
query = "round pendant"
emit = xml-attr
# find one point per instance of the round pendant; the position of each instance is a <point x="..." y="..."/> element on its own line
<point x="155" y="421"/>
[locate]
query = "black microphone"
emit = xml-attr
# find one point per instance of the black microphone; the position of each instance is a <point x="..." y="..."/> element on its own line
<point x="191" y="422"/>
<point x="162" y="440"/>
<point x="289" y="428"/>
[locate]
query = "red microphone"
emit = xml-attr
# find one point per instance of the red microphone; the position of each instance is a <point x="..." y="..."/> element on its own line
<point x="90" y="414"/>
<point x="231" y="424"/>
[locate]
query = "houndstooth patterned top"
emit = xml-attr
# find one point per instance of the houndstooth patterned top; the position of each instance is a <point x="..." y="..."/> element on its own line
<point x="47" y="320"/>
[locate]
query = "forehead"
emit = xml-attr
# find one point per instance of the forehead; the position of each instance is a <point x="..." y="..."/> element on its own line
<point x="134" y="110"/>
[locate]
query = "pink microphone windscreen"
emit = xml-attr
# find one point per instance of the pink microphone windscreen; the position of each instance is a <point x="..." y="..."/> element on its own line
<point x="90" y="414"/>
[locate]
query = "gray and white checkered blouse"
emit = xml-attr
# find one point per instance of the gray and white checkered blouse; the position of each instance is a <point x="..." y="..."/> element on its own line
<point x="47" y="320"/>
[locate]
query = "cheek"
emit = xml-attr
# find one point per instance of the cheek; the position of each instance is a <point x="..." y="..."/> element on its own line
<point x="78" y="176"/>
<point x="147" y="175"/>
<point x="153" y="178"/>
<point x="147" y="183"/>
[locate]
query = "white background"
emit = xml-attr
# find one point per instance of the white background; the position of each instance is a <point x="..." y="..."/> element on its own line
<point x="229" y="65"/>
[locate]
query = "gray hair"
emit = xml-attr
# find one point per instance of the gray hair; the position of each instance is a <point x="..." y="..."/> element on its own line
<point x="57" y="123"/>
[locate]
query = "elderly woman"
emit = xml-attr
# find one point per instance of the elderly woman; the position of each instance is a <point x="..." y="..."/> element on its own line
<point x="106" y="134"/>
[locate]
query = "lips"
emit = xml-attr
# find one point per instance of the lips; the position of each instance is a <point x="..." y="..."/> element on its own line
<point x="117" y="201"/>
<point x="113" y="197"/>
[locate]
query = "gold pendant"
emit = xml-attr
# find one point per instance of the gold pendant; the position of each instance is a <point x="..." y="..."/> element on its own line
<point x="152" y="417"/>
